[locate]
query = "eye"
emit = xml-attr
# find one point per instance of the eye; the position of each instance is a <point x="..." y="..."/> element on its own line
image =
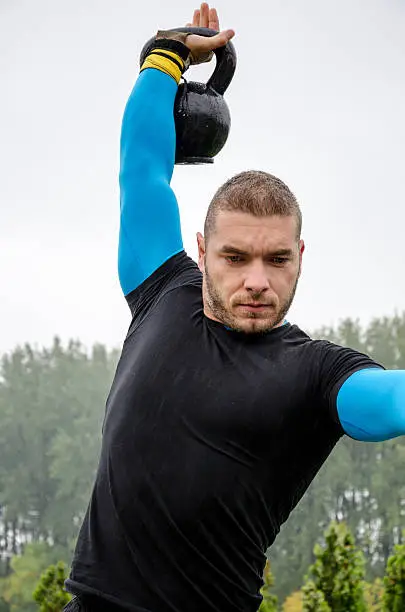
<point x="233" y="259"/>
<point x="279" y="261"/>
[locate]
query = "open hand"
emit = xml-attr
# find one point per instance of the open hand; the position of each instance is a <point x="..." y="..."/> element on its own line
<point x="204" y="17"/>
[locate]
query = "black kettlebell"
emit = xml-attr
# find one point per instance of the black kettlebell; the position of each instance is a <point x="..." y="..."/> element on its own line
<point x="201" y="115"/>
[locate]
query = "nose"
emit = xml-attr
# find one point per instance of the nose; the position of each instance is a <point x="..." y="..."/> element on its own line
<point x="256" y="280"/>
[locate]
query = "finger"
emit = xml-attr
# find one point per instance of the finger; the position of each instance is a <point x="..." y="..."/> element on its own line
<point x="204" y="15"/>
<point x="196" y="18"/>
<point x="220" y="40"/>
<point x="213" y="22"/>
<point x="208" y="43"/>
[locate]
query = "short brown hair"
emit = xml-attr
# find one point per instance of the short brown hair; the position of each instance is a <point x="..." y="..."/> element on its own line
<point x="257" y="193"/>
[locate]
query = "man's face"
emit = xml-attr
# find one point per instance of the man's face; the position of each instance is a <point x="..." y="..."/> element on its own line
<point x="250" y="267"/>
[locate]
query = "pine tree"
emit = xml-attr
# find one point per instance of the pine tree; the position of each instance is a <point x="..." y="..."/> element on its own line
<point x="394" y="581"/>
<point x="50" y="593"/>
<point x="313" y="599"/>
<point x="338" y="574"/>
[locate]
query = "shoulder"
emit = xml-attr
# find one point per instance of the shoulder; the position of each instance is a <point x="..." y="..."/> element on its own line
<point x="323" y="350"/>
<point x="177" y="272"/>
<point x="326" y="365"/>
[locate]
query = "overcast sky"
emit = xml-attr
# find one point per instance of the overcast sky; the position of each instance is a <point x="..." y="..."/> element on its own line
<point x="318" y="99"/>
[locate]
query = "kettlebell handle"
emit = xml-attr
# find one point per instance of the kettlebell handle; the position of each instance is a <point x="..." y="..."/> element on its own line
<point x="225" y="59"/>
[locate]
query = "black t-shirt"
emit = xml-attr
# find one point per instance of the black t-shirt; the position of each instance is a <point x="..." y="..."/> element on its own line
<point x="210" y="439"/>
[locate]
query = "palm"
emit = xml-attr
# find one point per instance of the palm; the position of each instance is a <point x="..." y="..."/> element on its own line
<point x="205" y="17"/>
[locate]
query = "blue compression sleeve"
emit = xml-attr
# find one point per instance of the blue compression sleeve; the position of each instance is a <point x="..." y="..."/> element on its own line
<point x="150" y="230"/>
<point x="371" y="404"/>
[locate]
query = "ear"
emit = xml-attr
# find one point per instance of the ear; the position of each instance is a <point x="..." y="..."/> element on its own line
<point x="201" y="251"/>
<point x="301" y="248"/>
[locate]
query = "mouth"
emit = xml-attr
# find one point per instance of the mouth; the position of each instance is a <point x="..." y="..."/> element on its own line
<point x="255" y="307"/>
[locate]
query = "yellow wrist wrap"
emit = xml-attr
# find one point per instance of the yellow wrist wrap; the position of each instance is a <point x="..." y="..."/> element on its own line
<point x="165" y="61"/>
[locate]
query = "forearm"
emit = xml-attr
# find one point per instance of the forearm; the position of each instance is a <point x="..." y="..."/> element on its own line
<point x="371" y="404"/>
<point x="148" y="129"/>
<point x="149" y="221"/>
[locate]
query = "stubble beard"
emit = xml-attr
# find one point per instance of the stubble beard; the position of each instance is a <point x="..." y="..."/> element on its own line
<point x="254" y="324"/>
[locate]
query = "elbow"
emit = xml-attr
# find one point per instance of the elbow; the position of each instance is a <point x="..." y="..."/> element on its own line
<point x="371" y="405"/>
<point x="398" y="409"/>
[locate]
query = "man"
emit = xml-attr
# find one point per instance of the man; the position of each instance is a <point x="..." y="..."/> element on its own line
<point x="221" y="412"/>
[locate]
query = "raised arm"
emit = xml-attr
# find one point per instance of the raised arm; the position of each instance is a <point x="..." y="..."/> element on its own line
<point x="371" y="404"/>
<point x="149" y="222"/>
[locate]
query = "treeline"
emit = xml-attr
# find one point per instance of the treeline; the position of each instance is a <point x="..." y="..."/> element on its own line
<point x="51" y="412"/>
<point x="335" y="582"/>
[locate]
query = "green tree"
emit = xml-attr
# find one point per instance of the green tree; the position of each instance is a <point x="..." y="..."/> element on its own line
<point x="338" y="572"/>
<point x="50" y="593"/>
<point x="394" y="581"/>
<point x="314" y="599"/>
<point x="17" y="588"/>
<point x="51" y="411"/>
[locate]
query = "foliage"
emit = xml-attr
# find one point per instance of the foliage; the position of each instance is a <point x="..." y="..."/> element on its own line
<point x="50" y="593"/>
<point x="269" y="603"/>
<point x="314" y="599"/>
<point x="338" y="572"/>
<point x="394" y="581"/>
<point x="17" y="588"/>
<point x="51" y="411"/>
